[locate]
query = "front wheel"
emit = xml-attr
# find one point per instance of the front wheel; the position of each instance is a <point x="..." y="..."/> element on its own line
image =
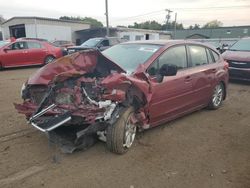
<point x="217" y="98"/>
<point x="121" y="135"/>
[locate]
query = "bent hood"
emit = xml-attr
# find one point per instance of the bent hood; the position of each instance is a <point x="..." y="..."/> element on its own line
<point x="72" y="65"/>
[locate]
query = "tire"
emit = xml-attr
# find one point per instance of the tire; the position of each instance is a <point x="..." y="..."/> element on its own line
<point x="217" y="97"/>
<point x="49" y="59"/>
<point x="120" y="135"/>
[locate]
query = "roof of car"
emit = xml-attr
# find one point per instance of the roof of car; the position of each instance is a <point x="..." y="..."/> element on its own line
<point x="168" y="42"/>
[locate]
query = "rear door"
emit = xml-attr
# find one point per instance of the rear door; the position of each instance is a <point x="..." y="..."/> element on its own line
<point x="36" y="52"/>
<point x="202" y="74"/>
<point x="172" y="96"/>
<point x="15" y="55"/>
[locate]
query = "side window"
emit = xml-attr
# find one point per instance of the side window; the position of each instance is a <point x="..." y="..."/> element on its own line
<point x="216" y="56"/>
<point x="104" y="43"/>
<point x="209" y="56"/>
<point x="113" y="41"/>
<point x="175" y="56"/>
<point x="198" y="55"/>
<point x="34" y="45"/>
<point x="18" y="46"/>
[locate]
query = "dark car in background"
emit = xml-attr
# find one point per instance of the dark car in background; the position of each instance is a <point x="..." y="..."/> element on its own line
<point x="26" y="52"/>
<point x="238" y="57"/>
<point x="95" y="43"/>
<point x="131" y="86"/>
<point x="63" y="43"/>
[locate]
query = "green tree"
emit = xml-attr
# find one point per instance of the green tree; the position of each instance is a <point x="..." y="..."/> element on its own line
<point x="93" y="22"/>
<point x="195" y="26"/>
<point x="213" y="24"/>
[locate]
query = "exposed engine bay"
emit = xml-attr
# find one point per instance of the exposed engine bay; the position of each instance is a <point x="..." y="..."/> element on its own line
<point x="77" y="97"/>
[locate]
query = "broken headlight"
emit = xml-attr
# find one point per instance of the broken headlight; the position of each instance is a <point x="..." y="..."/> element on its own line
<point x="64" y="98"/>
<point x="22" y="89"/>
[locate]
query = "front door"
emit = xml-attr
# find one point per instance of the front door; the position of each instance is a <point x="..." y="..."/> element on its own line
<point x="172" y="96"/>
<point x="15" y="55"/>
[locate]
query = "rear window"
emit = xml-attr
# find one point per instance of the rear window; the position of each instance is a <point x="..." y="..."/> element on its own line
<point x="34" y="45"/>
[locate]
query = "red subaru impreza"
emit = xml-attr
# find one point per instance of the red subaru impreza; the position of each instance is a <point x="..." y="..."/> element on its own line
<point x="127" y="88"/>
<point x="26" y="52"/>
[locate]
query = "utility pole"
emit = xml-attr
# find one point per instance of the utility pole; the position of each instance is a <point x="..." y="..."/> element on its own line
<point x="175" y="19"/>
<point x="168" y="16"/>
<point x="107" y="18"/>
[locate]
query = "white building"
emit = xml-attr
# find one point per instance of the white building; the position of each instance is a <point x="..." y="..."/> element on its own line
<point x="45" y="28"/>
<point x="132" y="34"/>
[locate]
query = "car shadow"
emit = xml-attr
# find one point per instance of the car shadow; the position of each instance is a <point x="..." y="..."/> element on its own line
<point x="241" y="82"/>
<point x="20" y="68"/>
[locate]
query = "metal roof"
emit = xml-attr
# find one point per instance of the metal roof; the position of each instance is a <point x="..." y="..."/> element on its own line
<point x="44" y="18"/>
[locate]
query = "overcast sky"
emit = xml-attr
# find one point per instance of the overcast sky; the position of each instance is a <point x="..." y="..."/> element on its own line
<point x="126" y="12"/>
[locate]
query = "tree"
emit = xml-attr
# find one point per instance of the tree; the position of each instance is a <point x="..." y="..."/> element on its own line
<point x="93" y="22"/>
<point x="195" y="26"/>
<point x="153" y="25"/>
<point x="213" y="24"/>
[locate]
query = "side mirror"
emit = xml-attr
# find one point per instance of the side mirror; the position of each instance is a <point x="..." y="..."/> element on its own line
<point x="166" y="70"/>
<point x="6" y="49"/>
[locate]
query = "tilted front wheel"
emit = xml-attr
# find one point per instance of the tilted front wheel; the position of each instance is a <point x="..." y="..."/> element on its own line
<point x="121" y="135"/>
<point x="217" y="97"/>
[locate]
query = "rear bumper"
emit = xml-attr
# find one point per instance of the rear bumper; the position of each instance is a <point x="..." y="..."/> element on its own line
<point x="239" y="74"/>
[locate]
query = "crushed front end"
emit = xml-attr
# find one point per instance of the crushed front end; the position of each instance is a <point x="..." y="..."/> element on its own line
<point x="71" y="101"/>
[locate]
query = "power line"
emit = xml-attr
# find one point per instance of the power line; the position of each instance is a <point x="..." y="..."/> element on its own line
<point x="184" y="9"/>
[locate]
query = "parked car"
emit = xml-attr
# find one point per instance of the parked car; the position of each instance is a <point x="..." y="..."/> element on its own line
<point x="238" y="57"/>
<point x="26" y="52"/>
<point x="63" y="43"/>
<point x="128" y="87"/>
<point x="95" y="43"/>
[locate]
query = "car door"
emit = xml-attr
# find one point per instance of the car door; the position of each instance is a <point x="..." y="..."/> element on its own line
<point x="36" y="53"/>
<point x="15" y="55"/>
<point x="172" y="96"/>
<point x="201" y="74"/>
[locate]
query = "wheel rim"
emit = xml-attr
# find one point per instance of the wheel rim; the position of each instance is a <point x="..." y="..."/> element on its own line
<point x="218" y="95"/>
<point x="130" y="131"/>
<point x="49" y="60"/>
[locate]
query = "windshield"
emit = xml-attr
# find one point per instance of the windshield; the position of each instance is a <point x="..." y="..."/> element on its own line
<point x="91" y="42"/>
<point x="2" y="43"/>
<point x="241" y="45"/>
<point x="129" y="56"/>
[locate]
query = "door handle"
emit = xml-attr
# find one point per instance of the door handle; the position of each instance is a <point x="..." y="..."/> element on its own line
<point x="25" y="52"/>
<point x="188" y="78"/>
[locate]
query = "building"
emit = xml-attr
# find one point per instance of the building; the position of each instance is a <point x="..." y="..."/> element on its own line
<point x="221" y="32"/>
<point x="129" y="34"/>
<point x="45" y="28"/>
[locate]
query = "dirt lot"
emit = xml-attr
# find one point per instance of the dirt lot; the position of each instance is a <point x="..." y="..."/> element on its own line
<point x="204" y="149"/>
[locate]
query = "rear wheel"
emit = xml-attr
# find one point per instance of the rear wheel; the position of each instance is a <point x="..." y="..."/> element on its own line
<point x="217" y="98"/>
<point x="121" y="135"/>
<point x="49" y="59"/>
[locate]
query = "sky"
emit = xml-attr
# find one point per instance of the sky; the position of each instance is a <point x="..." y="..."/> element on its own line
<point x="126" y="12"/>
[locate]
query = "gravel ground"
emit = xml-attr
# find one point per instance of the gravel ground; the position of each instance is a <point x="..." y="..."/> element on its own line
<point x="204" y="149"/>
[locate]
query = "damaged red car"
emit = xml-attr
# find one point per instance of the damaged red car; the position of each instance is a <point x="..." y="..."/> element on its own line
<point x="129" y="87"/>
